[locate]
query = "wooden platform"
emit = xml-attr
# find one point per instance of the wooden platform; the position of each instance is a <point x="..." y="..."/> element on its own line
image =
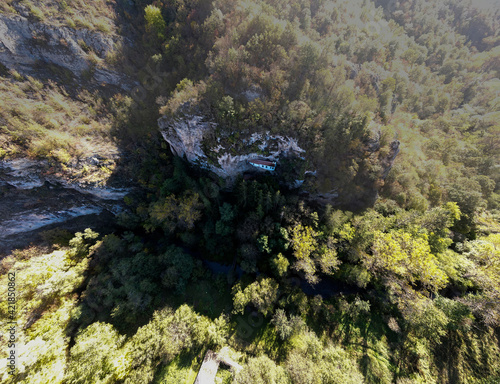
<point x="210" y="366"/>
<point x="208" y="369"/>
<point x="263" y="164"/>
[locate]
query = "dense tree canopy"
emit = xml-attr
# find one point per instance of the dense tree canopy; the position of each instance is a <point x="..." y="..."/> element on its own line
<point x="383" y="267"/>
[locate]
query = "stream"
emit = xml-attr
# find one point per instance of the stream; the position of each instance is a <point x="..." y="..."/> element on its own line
<point x="326" y="287"/>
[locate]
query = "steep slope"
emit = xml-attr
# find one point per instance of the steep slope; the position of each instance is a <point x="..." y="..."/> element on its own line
<point x="60" y="85"/>
<point x="31" y="48"/>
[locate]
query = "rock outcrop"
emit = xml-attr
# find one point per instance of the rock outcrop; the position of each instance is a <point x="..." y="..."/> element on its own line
<point x="193" y="137"/>
<point x="185" y="136"/>
<point x="388" y="161"/>
<point x="34" y="195"/>
<point x="28" y="47"/>
<point x="188" y="138"/>
<point x="32" y="201"/>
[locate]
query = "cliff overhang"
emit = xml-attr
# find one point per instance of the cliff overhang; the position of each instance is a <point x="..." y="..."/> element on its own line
<point x="195" y="138"/>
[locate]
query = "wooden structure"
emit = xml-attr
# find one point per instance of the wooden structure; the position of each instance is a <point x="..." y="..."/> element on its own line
<point x="210" y="366"/>
<point x="208" y="369"/>
<point x="263" y="164"/>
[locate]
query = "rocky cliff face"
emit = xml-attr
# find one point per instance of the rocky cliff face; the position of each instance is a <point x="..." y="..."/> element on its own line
<point x="34" y="195"/>
<point x="196" y="139"/>
<point x="32" y="200"/>
<point x="185" y="136"/>
<point x="28" y="47"/>
<point x="189" y="137"/>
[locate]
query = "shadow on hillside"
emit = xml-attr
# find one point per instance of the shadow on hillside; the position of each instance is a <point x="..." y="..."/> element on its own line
<point x="43" y="194"/>
<point x="54" y="202"/>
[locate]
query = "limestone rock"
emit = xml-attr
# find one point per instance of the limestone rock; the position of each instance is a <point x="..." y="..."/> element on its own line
<point x="32" y="201"/>
<point x="186" y="136"/>
<point x="227" y="155"/>
<point x="27" y="47"/>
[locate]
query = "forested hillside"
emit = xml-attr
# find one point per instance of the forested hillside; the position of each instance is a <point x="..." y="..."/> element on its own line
<point x="382" y="265"/>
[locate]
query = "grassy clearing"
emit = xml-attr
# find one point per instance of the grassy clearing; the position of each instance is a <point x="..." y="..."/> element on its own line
<point x="42" y="121"/>
<point x="224" y="375"/>
<point x="182" y="370"/>
<point x="6" y="6"/>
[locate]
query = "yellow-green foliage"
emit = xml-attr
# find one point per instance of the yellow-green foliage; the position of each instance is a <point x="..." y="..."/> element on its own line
<point x="154" y="21"/>
<point x="135" y="359"/>
<point x="172" y="212"/>
<point x="42" y="279"/>
<point x="185" y="92"/>
<point x="107" y="363"/>
<point x="407" y="256"/>
<point x="262" y="294"/>
<point x="280" y="264"/>
<point x="304" y="242"/>
<point x="182" y="371"/>
<point x="261" y="370"/>
<point x="309" y="254"/>
<point x="6" y="6"/>
<point x="166" y="335"/>
<point x="46" y="305"/>
<point x="485" y="253"/>
<point x="310" y="361"/>
<point x="44" y="285"/>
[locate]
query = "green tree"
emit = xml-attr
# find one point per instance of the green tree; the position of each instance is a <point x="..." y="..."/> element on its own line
<point x="304" y="243"/>
<point x="286" y="327"/>
<point x="406" y="256"/>
<point x="467" y="193"/>
<point x="173" y="213"/>
<point x="262" y="293"/>
<point x="338" y="367"/>
<point x="108" y="362"/>
<point x="155" y="24"/>
<point x="261" y="370"/>
<point x="80" y="244"/>
<point x="280" y="264"/>
<point x="178" y="267"/>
